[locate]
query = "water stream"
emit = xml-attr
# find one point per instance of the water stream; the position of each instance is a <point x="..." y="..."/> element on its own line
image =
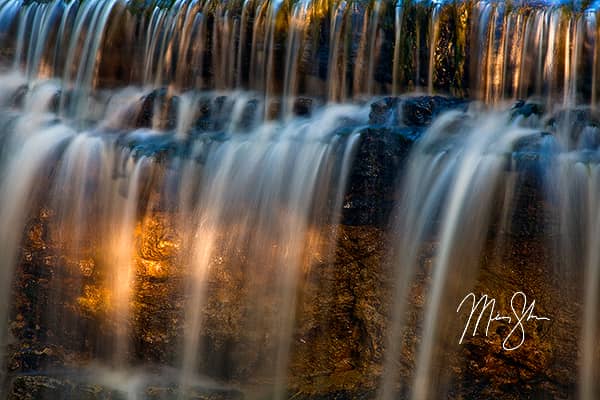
<point x="187" y="167"/>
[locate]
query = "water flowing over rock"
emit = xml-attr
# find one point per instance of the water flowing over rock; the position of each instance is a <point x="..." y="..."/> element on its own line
<point x="289" y="199"/>
<point x="333" y="49"/>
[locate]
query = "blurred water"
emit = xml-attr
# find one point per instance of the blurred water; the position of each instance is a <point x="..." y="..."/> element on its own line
<point x="115" y="112"/>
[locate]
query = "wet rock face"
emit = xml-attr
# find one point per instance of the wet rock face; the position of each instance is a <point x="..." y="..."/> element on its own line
<point x="46" y="387"/>
<point x="336" y="344"/>
<point x="339" y="343"/>
<point x="42" y="387"/>
<point x="38" y="318"/>
<point x="416" y="111"/>
<point x="395" y="124"/>
<point x="543" y="367"/>
<point x="340" y="336"/>
<point x="372" y="185"/>
<point x="158" y="300"/>
<point x="420" y="111"/>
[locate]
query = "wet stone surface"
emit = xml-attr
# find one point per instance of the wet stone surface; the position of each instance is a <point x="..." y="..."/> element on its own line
<point x="45" y="387"/>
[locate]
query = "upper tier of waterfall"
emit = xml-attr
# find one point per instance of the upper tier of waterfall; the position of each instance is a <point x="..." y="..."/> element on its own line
<point x="336" y="50"/>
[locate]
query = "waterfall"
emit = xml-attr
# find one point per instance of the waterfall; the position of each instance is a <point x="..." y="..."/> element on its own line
<point x="463" y="195"/>
<point x="272" y="199"/>
<point x="256" y="195"/>
<point x="454" y="175"/>
<point x="340" y="50"/>
<point x="96" y="184"/>
<point x="33" y="142"/>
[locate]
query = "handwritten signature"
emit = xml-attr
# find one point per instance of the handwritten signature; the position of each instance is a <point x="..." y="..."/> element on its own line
<point x="521" y="315"/>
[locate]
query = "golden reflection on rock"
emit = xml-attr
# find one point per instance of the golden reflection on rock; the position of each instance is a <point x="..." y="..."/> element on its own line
<point x="94" y="300"/>
<point x="157" y="238"/>
<point x="87" y="267"/>
<point x="158" y="245"/>
<point x="155" y="269"/>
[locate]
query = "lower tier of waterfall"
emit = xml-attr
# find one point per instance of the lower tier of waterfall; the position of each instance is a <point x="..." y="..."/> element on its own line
<point x="196" y="245"/>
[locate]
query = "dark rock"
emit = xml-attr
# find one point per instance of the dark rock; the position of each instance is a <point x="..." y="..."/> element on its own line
<point x="18" y="98"/>
<point x="420" y="111"/>
<point x="533" y="153"/>
<point x="412" y="111"/>
<point x="250" y="115"/>
<point x="35" y="357"/>
<point x="203" y="121"/>
<point x="374" y="174"/>
<point x="41" y="387"/>
<point x="54" y="105"/>
<point x="576" y="126"/>
<point x="220" y="115"/>
<point x="149" y="104"/>
<point x="171" y="113"/>
<point x="152" y="145"/>
<point x="303" y="106"/>
<point x="340" y="336"/>
<point x="527" y="109"/>
<point x="161" y="393"/>
<point x="273" y="110"/>
<point x="384" y="111"/>
<point x="578" y="116"/>
<point x="214" y="114"/>
<point x="338" y="395"/>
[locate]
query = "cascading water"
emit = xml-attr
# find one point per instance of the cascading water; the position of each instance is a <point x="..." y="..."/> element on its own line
<point x="490" y="50"/>
<point x="203" y="199"/>
<point x="458" y="196"/>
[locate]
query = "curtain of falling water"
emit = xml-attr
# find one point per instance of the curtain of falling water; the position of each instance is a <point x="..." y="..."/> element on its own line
<point x="339" y="50"/>
<point x="449" y="192"/>
<point x="256" y="195"/>
<point x="574" y="184"/>
<point x="33" y="140"/>
<point x="76" y="31"/>
<point x="461" y="184"/>
<point x="62" y="39"/>
<point x="509" y="41"/>
<point x="579" y="220"/>
<point x="96" y="184"/>
<point x="469" y="202"/>
<point x="87" y="199"/>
